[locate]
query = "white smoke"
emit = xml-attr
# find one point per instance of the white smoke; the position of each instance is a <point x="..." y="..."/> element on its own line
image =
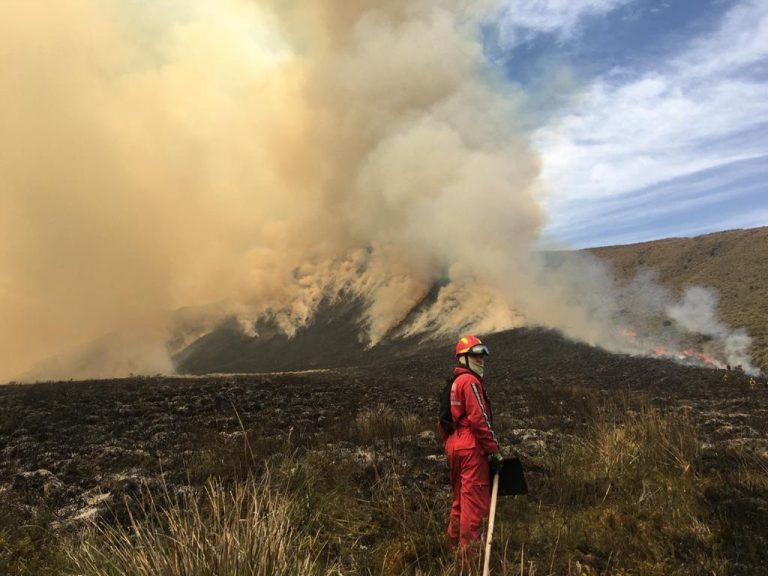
<point x="696" y="311"/>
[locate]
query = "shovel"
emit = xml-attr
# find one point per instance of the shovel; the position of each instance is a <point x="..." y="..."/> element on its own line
<point x="512" y="479"/>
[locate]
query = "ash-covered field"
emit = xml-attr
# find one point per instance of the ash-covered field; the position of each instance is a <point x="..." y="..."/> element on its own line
<point x="84" y="450"/>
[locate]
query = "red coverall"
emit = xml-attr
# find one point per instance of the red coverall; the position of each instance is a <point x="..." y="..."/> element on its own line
<point x="468" y="449"/>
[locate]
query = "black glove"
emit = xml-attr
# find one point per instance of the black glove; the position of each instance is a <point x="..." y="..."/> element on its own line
<point x="497" y="462"/>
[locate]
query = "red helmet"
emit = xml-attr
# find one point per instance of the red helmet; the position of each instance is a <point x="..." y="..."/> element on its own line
<point x="471" y="345"/>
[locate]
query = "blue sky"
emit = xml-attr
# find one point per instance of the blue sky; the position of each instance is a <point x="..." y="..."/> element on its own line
<point x="651" y="116"/>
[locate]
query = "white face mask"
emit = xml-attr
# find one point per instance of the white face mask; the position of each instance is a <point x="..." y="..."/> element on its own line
<point x="476" y="364"/>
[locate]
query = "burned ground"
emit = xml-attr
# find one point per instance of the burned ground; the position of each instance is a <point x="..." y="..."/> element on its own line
<point x="79" y="450"/>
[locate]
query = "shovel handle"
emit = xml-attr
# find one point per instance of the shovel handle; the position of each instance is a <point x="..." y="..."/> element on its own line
<point x="491" y="518"/>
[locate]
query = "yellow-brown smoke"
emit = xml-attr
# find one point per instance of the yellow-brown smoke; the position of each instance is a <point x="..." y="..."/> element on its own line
<point x="172" y="162"/>
<point x="165" y="155"/>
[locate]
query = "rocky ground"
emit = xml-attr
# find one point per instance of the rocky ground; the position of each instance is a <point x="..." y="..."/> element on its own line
<point x="78" y="449"/>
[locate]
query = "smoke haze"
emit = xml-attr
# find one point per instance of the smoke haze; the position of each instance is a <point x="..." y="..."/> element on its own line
<point x="170" y="163"/>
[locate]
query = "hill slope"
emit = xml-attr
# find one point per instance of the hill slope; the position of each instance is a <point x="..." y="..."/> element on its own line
<point x="733" y="262"/>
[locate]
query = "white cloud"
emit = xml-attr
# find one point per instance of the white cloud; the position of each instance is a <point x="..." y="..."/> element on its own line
<point x="675" y="208"/>
<point x="753" y="219"/>
<point x="741" y="41"/>
<point x="523" y="20"/>
<point x="625" y="134"/>
<point x="655" y="129"/>
<point x="743" y="178"/>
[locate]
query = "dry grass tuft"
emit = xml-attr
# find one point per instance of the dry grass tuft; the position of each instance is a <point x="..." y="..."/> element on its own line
<point x="247" y="529"/>
<point x="383" y="424"/>
<point x="625" y="498"/>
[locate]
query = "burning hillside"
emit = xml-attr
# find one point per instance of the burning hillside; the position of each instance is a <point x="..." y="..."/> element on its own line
<point x="336" y="336"/>
<point x="256" y="161"/>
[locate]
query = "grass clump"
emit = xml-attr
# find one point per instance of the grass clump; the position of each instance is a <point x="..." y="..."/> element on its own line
<point x="248" y="529"/>
<point x="28" y="545"/>
<point x="383" y="424"/>
<point x="624" y="498"/>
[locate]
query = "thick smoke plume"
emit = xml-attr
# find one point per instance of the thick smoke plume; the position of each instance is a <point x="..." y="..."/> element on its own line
<point x="166" y="164"/>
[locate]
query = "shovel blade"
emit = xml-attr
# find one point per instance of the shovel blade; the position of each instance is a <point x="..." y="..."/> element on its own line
<point x="512" y="478"/>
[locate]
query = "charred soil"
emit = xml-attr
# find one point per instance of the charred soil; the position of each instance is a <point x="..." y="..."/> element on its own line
<point x="74" y="453"/>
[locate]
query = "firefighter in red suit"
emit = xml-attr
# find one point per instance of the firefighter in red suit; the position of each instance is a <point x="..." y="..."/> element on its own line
<point x="471" y="445"/>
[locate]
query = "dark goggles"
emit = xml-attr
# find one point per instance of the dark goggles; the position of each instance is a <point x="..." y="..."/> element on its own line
<point x="478" y="349"/>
